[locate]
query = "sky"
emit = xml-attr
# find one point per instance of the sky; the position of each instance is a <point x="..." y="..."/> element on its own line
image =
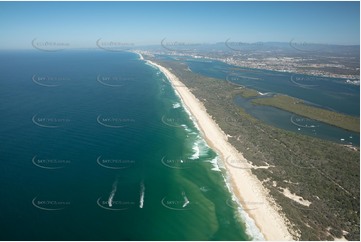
<point x="81" y="24"/>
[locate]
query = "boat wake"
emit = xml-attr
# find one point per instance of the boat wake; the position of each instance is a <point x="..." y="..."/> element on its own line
<point x="186" y="201"/>
<point x="112" y="194"/>
<point x="267" y="94"/>
<point x="142" y="191"/>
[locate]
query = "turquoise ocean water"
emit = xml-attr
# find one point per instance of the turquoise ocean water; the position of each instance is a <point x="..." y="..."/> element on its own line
<point x="96" y="145"/>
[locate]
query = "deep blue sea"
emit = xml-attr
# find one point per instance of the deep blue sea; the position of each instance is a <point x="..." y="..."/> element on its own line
<point x="330" y="93"/>
<point x="96" y="145"/>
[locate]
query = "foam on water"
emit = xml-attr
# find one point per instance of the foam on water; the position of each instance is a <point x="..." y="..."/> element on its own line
<point x="112" y="194"/>
<point x="181" y="103"/>
<point x="151" y="65"/>
<point x="175" y="143"/>
<point x="214" y="162"/>
<point x="195" y="148"/>
<point x="142" y="192"/>
<point x="176" y="105"/>
<point x="200" y="147"/>
<point x="251" y="229"/>
<point x="186" y="128"/>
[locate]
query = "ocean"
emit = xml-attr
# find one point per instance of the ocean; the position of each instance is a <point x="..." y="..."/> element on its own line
<point x="97" y="145"/>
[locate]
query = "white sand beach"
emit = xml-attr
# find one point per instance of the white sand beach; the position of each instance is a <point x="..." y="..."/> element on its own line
<point x="246" y="187"/>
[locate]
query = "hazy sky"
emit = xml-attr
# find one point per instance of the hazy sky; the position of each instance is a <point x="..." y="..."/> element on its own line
<point x="82" y="23"/>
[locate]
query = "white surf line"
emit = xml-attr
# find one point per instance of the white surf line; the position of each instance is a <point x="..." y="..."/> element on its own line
<point x="138" y="53"/>
<point x="112" y="194"/>
<point x="142" y="191"/>
<point x="196" y="150"/>
<point x="186" y="201"/>
<point x="243" y="181"/>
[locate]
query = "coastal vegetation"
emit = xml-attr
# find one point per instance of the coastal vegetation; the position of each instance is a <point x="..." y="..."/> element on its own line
<point x="323" y="175"/>
<point x="298" y="106"/>
<point x="247" y="93"/>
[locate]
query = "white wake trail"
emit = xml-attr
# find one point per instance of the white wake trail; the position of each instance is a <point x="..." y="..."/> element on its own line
<point x="186" y="201"/>
<point x="111" y="196"/>
<point x="142" y="191"/>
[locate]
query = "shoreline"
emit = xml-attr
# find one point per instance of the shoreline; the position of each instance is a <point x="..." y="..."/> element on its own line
<point x="268" y="221"/>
